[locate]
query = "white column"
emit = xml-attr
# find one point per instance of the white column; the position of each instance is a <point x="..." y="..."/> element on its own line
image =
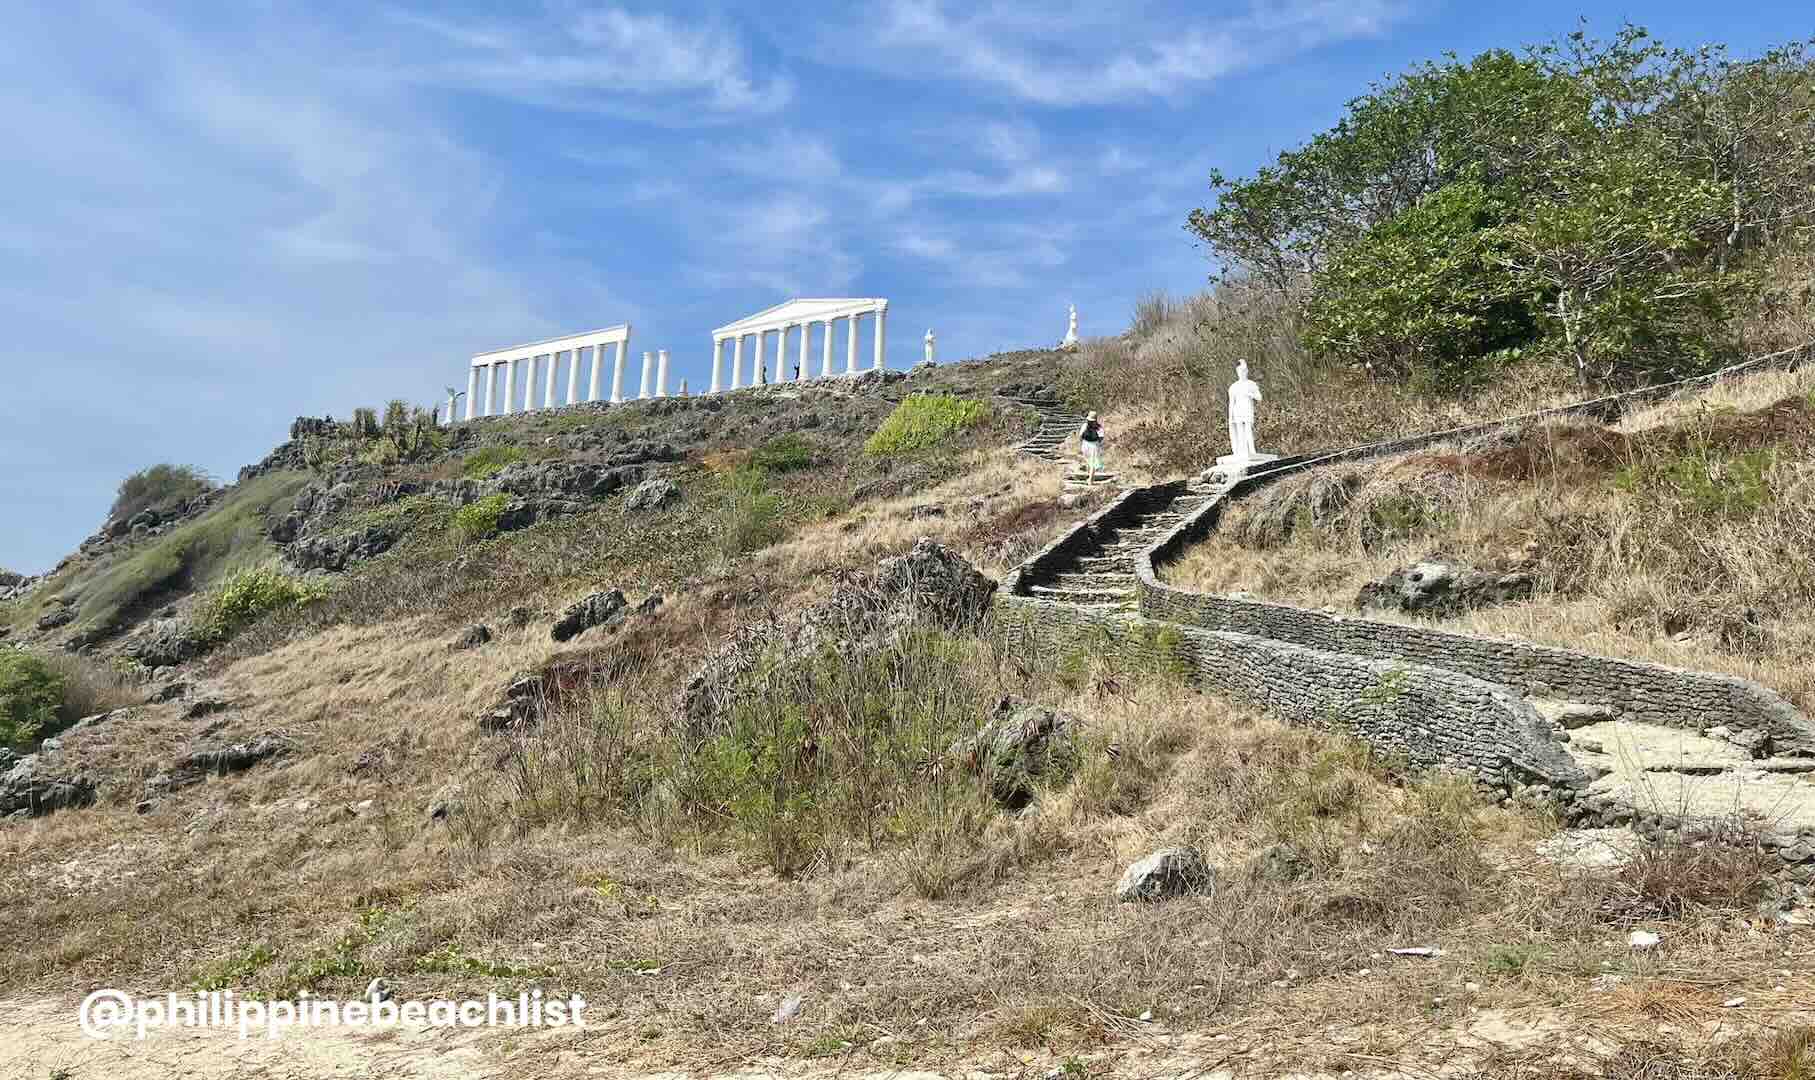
<point x="491" y="384"/>
<point x="472" y="393"/>
<point x="548" y="387"/>
<point x="648" y="373"/>
<point x="661" y="373"/>
<point x="781" y="355"/>
<point x="756" y="369"/>
<point x="718" y="362"/>
<point x="598" y="365"/>
<point x="617" y="372"/>
<point x="573" y="376"/>
<point x="825" y="367"/>
<point x="510" y="386"/>
<point x="737" y="362"/>
<point x="806" y="335"/>
<point x="882" y="334"/>
<point x="850" y="352"/>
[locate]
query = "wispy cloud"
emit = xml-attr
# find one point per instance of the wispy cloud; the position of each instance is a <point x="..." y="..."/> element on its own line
<point x="608" y="59"/>
<point x="1104" y="54"/>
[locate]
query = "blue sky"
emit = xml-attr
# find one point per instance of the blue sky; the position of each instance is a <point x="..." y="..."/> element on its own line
<point x="218" y="217"/>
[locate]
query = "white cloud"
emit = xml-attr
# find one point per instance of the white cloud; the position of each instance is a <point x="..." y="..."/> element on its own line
<point x="607" y="59"/>
<point x="1106" y="54"/>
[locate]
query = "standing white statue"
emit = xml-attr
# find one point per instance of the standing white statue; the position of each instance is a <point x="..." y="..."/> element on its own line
<point x="929" y="344"/>
<point x="1243" y="393"/>
<point x="1071" y="330"/>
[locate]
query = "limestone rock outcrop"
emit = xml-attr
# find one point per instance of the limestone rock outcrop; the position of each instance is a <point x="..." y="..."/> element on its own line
<point x="1168" y="872"/>
<point x="929" y="585"/>
<point x="1021" y="744"/>
<point x="1441" y="586"/>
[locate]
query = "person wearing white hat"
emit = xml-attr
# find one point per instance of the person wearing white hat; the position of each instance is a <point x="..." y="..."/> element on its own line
<point x="1090" y="445"/>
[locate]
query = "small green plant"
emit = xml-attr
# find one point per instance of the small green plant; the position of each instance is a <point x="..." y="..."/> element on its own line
<point x="784" y="453"/>
<point x="31" y="692"/>
<point x="159" y="486"/>
<point x="751" y="515"/>
<point x="232" y="971"/>
<point x="479" y="518"/>
<point x="489" y="461"/>
<point x="1512" y="960"/>
<point x="923" y="422"/>
<point x="246" y="596"/>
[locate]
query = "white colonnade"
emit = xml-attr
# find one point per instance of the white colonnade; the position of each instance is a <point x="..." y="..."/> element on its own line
<point x="802" y="315"/>
<point x="588" y="348"/>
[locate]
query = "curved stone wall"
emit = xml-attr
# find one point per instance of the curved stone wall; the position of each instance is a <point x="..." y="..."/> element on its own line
<point x="1652" y="693"/>
<point x="1439" y="698"/>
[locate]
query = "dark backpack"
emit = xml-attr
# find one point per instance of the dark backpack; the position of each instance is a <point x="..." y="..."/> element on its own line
<point x="1092" y="433"/>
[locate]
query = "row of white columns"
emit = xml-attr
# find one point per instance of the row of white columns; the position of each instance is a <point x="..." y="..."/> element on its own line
<point x="654" y="379"/>
<point x="803" y="365"/>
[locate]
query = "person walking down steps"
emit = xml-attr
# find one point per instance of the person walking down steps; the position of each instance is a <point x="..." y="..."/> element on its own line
<point x="1090" y="445"/>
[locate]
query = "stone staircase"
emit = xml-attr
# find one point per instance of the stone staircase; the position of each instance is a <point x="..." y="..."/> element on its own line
<point x="1058" y="431"/>
<point x="1103" y="574"/>
<point x="1058" y="426"/>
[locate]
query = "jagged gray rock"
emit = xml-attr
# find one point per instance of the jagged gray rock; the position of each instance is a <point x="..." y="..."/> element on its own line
<point x="30" y="788"/>
<point x="471" y="638"/>
<point x="166" y="643"/>
<point x="582" y="616"/>
<point x="1019" y="744"/>
<point x="929" y="584"/>
<point x="1441" y="586"/>
<point x="1168" y="872"/>
<point x="653" y="494"/>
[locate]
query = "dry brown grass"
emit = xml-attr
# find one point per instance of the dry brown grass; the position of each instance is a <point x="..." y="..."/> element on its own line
<point x="1678" y="537"/>
<point x="1163" y="386"/>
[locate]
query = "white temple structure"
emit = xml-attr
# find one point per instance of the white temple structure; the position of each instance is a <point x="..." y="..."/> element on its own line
<point x="805" y="314"/>
<point x="588" y="348"/>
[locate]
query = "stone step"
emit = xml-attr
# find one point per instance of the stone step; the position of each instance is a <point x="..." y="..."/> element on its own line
<point x="1082" y="596"/>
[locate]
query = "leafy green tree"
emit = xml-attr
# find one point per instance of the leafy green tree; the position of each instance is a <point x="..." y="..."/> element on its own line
<point x="1423" y="294"/>
<point x="30" y="695"/>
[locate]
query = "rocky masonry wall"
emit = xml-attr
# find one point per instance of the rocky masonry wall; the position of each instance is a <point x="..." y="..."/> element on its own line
<point x="1632" y="690"/>
<point x="1431" y="716"/>
<point x="1440" y="698"/>
<point x="1650" y="693"/>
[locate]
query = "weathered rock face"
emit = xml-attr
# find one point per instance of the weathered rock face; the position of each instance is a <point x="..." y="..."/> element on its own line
<point x="653" y="494"/>
<point x="1168" y="872"/>
<point x="1020" y="744"/>
<point x="337" y="552"/>
<point x="929" y="584"/>
<point x="471" y="638"/>
<point x="1439" y="586"/>
<point x="165" y="643"/>
<point x="29" y="787"/>
<point x="586" y="614"/>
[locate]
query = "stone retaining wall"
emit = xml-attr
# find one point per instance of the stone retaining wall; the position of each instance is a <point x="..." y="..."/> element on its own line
<point x="1645" y="692"/>
<point x="1439" y="698"/>
<point x="1433" y="717"/>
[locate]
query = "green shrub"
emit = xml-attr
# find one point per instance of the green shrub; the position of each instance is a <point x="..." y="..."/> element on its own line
<point x="30" y="695"/>
<point x="159" y="486"/>
<point x="785" y="453"/>
<point x="248" y="595"/>
<point x="751" y="516"/>
<point x="41" y="694"/>
<point x="924" y="421"/>
<point x="488" y="461"/>
<point x="479" y="519"/>
<point x="230" y="536"/>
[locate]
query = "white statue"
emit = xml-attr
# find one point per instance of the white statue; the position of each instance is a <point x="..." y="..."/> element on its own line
<point x="1071" y="330"/>
<point x="929" y="344"/>
<point x="1243" y="393"/>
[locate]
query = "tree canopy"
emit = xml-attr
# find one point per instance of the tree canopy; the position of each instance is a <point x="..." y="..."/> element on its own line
<point x="1607" y="204"/>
